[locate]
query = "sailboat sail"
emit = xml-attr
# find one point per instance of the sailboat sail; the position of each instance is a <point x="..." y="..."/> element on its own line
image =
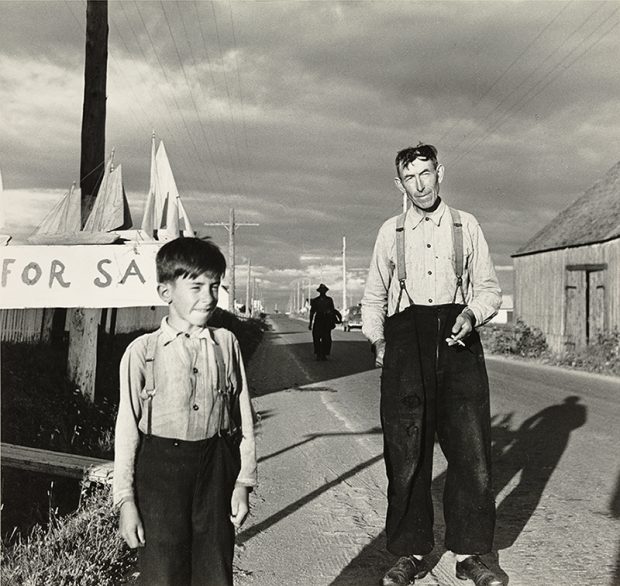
<point x="111" y="210"/>
<point x="64" y="216"/>
<point x="164" y="213"/>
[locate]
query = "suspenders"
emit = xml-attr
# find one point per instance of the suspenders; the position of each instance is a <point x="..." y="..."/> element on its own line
<point x="149" y="382"/>
<point x="457" y="239"/>
<point x="224" y="390"/>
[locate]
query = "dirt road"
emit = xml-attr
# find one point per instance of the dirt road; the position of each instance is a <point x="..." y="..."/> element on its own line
<point x="318" y="514"/>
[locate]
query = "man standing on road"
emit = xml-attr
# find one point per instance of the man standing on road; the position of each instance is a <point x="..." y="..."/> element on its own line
<point x="323" y="317"/>
<point x="431" y="281"/>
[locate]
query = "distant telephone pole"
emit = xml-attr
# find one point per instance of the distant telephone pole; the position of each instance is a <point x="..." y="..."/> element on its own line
<point x="231" y="226"/>
<point x="248" y="310"/>
<point x="344" y="273"/>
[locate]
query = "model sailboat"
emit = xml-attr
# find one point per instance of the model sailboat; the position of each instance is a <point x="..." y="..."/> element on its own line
<point x="164" y="217"/>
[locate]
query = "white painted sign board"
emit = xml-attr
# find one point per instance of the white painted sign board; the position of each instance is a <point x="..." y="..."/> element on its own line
<point x="78" y="276"/>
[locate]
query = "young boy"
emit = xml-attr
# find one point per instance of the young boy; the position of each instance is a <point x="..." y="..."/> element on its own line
<point x="184" y="448"/>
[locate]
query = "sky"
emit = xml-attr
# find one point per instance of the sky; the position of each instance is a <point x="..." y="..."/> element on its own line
<point x="292" y="111"/>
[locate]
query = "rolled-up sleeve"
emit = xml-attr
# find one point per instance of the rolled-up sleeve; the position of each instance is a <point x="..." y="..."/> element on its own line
<point x="127" y="435"/>
<point x="375" y="298"/>
<point x="486" y="295"/>
<point x="247" y="474"/>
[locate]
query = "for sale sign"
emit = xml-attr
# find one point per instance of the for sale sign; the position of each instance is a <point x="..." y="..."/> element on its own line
<point x="78" y="276"/>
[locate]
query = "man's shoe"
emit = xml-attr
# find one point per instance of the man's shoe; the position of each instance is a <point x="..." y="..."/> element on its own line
<point x="473" y="568"/>
<point x="404" y="572"/>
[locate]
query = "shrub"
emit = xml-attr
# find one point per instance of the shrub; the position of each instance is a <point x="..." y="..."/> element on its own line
<point x="517" y="339"/>
<point x="602" y="356"/>
<point x="42" y="409"/>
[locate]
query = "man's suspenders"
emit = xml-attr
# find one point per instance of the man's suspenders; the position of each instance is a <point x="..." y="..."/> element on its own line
<point x="457" y="239"/>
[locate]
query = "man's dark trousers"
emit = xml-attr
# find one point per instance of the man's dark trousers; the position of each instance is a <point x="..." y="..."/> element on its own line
<point x="322" y="334"/>
<point x="428" y="388"/>
<point x="183" y="492"/>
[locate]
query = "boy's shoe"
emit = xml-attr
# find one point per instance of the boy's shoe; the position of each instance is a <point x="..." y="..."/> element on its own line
<point x="404" y="572"/>
<point x="473" y="568"/>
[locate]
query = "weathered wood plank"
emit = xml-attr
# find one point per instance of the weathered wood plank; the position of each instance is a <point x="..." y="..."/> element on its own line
<point x="70" y="465"/>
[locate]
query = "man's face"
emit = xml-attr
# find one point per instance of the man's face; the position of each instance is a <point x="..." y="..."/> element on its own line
<point x="191" y="301"/>
<point x="420" y="181"/>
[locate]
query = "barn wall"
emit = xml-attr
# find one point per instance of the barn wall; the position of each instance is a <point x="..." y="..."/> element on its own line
<point x="540" y="284"/>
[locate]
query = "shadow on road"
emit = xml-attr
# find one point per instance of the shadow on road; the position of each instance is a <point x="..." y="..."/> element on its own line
<point x="614" y="509"/>
<point x="534" y="449"/>
<point x="290" y="509"/>
<point x="294" y="364"/>
<point x="313" y="436"/>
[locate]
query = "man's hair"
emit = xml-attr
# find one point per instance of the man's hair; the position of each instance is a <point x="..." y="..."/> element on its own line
<point x="426" y="152"/>
<point x="189" y="257"/>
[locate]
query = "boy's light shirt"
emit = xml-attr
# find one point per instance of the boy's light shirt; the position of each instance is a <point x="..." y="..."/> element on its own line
<point x="429" y="257"/>
<point x="185" y="378"/>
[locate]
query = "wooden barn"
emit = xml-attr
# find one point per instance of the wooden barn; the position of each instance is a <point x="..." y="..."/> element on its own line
<point x="567" y="277"/>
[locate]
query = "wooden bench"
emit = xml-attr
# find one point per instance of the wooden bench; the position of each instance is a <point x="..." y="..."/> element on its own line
<point x="71" y="465"/>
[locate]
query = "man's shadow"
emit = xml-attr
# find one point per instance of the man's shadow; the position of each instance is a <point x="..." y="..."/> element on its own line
<point x="534" y="450"/>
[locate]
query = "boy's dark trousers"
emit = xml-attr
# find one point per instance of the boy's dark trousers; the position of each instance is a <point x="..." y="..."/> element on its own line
<point x="183" y="492"/>
<point x="428" y="387"/>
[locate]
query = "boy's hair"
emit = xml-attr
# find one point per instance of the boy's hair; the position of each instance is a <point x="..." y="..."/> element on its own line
<point x="188" y="257"/>
<point x="426" y="152"/>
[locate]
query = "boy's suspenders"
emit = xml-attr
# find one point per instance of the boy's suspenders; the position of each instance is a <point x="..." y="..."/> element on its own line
<point x="457" y="239"/>
<point x="223" y="391"/>
<point x="149" y="380"/>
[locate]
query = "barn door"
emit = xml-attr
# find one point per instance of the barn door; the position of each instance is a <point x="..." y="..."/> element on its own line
<point x="596" y="304"/>
<point x="576" y="312"/>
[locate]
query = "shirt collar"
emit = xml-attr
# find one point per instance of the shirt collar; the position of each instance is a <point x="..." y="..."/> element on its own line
<point x="415" y="215"/>
<point x="170" y="334"/>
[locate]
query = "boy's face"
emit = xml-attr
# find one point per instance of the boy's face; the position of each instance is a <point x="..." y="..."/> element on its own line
<point x="191" y="301"/>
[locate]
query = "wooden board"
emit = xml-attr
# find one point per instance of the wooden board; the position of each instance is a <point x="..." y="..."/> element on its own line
<point x="70" y="465"/>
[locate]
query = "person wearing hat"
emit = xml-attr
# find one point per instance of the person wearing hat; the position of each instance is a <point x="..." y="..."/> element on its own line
<point x="323" y="318"/>
<point x="431" y="283"/>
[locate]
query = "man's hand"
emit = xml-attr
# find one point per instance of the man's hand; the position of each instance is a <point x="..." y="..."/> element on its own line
<point x="463" y="326"/>
<point x="130" y="525"/>
<point x="379" y="353"/>
<point x="239" y="505"/>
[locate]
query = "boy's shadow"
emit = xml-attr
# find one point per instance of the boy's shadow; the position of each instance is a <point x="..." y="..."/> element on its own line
<point x="534" y="449"/>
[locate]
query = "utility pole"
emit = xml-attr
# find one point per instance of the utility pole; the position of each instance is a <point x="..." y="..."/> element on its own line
<point x="94" y="107"/>
<point x="231" y="226"/>
<point x="344" y="273"/>
<point x="248" y="310"/>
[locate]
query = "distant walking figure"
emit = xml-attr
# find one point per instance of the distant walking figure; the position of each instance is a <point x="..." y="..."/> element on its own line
<point x="323" y="318"/>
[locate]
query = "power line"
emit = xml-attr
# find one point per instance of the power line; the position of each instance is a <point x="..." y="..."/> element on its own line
<point x="513" y="62"/>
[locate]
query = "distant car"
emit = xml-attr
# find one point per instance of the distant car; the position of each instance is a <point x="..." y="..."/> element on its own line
<point x="352" y="318"/>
